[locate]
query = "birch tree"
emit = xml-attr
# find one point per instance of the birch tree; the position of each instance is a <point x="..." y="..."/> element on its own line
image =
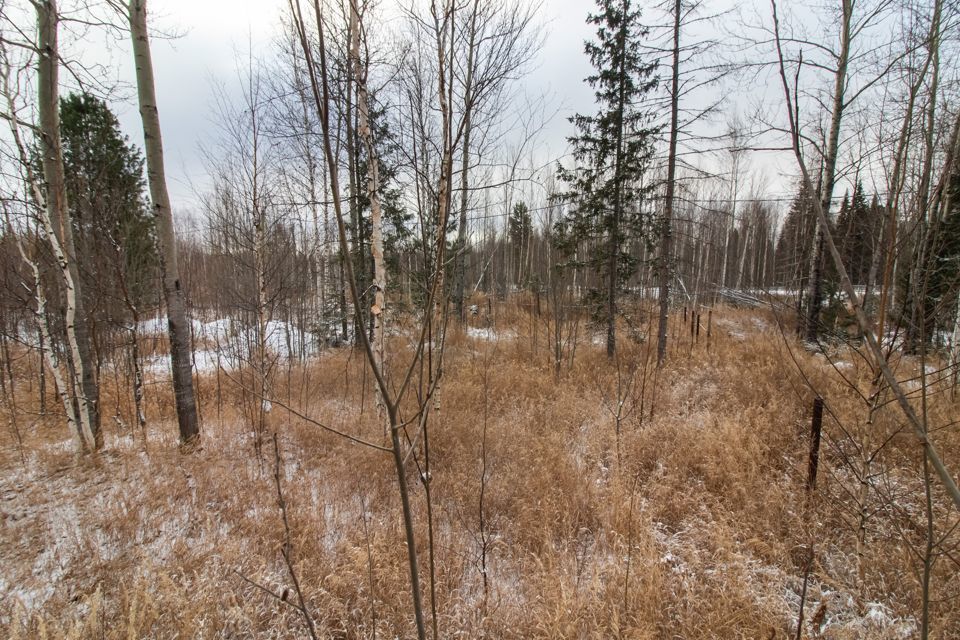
<point x="877" y="357"/>
<point x="496" y="43"/>
<point x="67" y="382"/>
<point x="360" y="68"/>
<point x="49" y="198"/>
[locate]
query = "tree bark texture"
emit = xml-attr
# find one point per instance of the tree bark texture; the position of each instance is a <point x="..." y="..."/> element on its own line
<point x="177" y="326"/>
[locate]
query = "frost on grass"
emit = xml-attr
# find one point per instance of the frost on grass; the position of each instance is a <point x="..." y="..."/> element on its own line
<point x="490" y="334"/>
<point x="705" y="507"/>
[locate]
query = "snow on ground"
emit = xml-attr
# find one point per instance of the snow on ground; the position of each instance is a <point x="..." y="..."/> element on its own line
<point x="682" y="554"/>
<point x="227" y="343"/>
<point x="490" y="334"/>
<point x="733" y="329"/>
<point x="204" y="361"/>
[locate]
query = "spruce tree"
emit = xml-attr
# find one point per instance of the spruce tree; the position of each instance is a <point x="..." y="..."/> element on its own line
<point x="520" y="228"/>
<point x="106" y="193"/>
<point x="857" y="225"/>
<point x="612" y="151"/>
<point x="793" y="245"/>
<point x="940" y="279"/>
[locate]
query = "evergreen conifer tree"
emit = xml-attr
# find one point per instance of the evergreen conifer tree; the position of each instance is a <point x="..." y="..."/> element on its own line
<point x="856" y="225"/>
<point x="612" y="150"/>
<point x="106" y="192"/>
<point x="942" y="279"/>
<point x="520" y="229"/>
<point x="793" y="245"/>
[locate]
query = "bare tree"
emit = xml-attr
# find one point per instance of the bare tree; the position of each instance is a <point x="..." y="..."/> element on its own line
<point x="77" y="384"/>
<point x="177" y="326"/>
<point x="874" y="350"/>
<point x="57" y="219"/>
<point x="320" y="88"/>
<point x="666" y="228"/>
<point x="498" y="41"/>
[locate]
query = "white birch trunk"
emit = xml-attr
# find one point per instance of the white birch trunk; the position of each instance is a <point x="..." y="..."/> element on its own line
<point x="56" y="220"/>
<point x="83" y="438"/>
<point x="373" y="189"/>
<point x="49" y="206"/>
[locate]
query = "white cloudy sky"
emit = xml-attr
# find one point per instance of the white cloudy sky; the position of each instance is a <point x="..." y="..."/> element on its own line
<point x="214" y="34"/>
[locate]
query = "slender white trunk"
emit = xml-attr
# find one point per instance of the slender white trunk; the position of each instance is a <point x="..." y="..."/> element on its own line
<point x="815" y="285"/>
<point x="259" y="258"/>
<point x="56" y="219"/>
<point x="373" y="189"/>
<point x="873" y="345"/>
<point x="52" y="205"/>
<point x="83" y="438"/>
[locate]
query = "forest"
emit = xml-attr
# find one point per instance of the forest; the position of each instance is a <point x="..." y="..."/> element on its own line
<point x="393" y="364"/>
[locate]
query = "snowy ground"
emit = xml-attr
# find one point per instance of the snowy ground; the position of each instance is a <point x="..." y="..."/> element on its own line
<point x="73" y="528"/>
<point x="229" y="344"/>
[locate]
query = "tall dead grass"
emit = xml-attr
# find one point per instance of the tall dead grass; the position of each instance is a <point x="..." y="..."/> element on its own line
<point x="692" y="532"/>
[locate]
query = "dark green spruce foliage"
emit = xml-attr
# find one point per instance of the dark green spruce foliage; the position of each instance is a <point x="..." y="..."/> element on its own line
<point x="940" y="280"/>
<point x="857" y="228"/>
<point x="396" y="234"/>
<point x="520" y="228"/>
<point x="612" y="151"/>
<point x="114" y="231"/>
<point x="792" y="260"/>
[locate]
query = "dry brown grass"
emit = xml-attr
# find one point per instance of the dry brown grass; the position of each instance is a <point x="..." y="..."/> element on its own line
<point x="706" y="506"/>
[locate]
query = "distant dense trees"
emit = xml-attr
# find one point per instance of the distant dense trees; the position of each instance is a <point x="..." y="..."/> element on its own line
<point x="857" y="229"/>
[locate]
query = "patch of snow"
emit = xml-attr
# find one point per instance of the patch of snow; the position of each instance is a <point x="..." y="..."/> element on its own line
<point x="490" y="334"/>
<point x="228" y="344"/>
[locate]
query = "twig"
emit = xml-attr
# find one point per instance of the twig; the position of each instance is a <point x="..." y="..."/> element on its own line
<point x="287" y="549"/>
<point x="287" y="407"/>
<point x="281" y="598"/>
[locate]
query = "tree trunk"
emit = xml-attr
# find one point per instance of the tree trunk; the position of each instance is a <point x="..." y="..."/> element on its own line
<point x="666" y="236"/>
<point x="41" y="375"/>
<point x="49" y="354"/>
<point x="321" y="94"/>
<point x="373" y="189"/>
<point x="921" y="310"/>
<point x="177" y="327"/>
<point x="873" y="345"/>
<point x="134" y="341"/>
<point x="613" y="259"/>
<point x="815" y="290"/>
<point x="461" y="257"/>
<point x="58" y="228"/>
<point x="261" y="311"/>
<point x="358" y="254"/>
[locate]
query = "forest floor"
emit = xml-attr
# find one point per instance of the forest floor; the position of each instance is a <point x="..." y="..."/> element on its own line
<point x="688" y="519"/>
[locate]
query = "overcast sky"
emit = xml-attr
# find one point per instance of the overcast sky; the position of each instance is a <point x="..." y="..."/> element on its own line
<point x="214" y="34"/>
